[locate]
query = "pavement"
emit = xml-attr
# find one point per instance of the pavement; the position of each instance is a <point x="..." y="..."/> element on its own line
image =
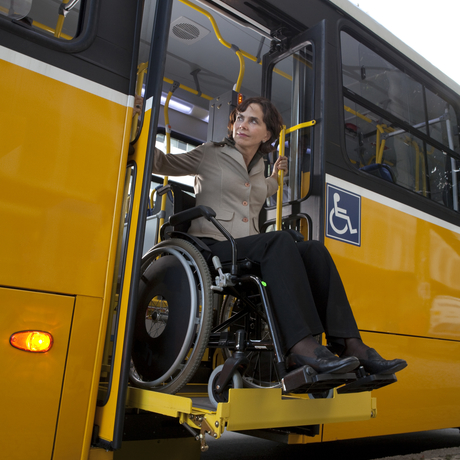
<point x="452" y="453"/>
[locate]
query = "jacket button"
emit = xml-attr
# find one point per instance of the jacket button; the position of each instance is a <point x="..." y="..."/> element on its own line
<point x="245" y="219"/>
<point x="247" y="184"/>
<point x="245" y="203"/>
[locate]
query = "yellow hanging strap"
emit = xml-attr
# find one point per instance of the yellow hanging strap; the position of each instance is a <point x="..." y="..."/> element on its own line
<point x="279" y="196"/>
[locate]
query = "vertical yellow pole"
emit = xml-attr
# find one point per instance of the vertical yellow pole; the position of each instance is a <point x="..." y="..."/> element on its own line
<point x="168" y="150"/>
<point x="60" y="21"/>
<point x="279" y="196"/>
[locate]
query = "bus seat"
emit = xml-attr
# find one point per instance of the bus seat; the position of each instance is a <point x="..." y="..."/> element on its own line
<point x="380" y="170"/>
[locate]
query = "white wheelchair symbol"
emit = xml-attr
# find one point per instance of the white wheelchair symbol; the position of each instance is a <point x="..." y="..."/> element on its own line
<point x="340" y="213"/>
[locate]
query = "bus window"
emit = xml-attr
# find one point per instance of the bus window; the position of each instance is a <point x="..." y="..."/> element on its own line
<point x="398" y="124"/>
<point x="292" y="94"/>
<point x="177" y="146"/>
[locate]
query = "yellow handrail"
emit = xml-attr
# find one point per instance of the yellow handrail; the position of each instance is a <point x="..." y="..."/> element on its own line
<point x="190" y="90"/>
<point x="238" y="52"/>
<point x="279" y="196"/>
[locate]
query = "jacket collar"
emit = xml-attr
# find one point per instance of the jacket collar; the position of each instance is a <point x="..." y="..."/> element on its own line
<point x="229" y="149"/>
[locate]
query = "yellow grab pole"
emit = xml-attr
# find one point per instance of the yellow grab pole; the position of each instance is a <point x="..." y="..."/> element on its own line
<point x="306" y="124"/>
<point x="62" y="14"/>
<point x="241" y="74"/>
<point x="168" y="150"/>
<point x="279" y="196"/>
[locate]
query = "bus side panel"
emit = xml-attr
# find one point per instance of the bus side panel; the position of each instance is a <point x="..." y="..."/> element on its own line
<point x="31" y="382"/>
<point x="401" y="285"/>
<point x="402" y="279"/>
<point x="425" y="397"/>
<point x="79" y="393"/>
<point x="62" y="146"/>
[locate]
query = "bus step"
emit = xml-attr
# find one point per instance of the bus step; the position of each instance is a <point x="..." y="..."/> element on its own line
<point x="307" y="380"/>
<point x="366" y="382"/>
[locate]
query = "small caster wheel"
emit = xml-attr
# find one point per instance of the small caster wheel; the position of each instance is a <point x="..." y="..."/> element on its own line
<point x="216" y="398"/>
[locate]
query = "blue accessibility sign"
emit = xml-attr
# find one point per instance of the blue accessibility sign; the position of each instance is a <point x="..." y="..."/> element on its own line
<point x="343" y="219"/>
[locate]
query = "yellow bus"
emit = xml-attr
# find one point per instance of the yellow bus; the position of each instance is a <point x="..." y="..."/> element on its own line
<point x="373" y="174"/>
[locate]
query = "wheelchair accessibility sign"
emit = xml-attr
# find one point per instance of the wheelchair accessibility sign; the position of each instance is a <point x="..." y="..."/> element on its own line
<point x="343" y="220"/>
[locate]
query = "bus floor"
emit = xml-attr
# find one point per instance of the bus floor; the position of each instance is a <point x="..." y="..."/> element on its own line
<point x="427" y="445"/>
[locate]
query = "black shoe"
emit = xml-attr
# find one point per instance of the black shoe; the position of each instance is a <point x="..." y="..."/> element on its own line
<point x="324" y="363"/>
<point x="375" y="364"/>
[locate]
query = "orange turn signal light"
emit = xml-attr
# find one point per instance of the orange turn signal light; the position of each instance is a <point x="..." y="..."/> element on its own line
<point x="33" y="341"/>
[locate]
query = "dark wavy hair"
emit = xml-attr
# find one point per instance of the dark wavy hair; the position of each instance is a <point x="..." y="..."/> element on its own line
<point x="272" y="119"/>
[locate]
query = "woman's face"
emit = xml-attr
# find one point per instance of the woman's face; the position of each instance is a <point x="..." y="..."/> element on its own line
<point x="249" y="129"/>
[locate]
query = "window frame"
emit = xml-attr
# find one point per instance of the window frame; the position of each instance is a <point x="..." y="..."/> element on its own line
<point x="88" y="31"/>
<point x="428" y="82"/>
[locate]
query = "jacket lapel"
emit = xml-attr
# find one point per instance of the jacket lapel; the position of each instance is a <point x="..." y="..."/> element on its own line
<point x="235" y="155"/>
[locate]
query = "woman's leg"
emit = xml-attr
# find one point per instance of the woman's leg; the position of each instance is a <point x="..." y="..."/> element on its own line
<point x="328" y="292"/>
<point x="308" y="298"/>
<point x="283" y="270"/>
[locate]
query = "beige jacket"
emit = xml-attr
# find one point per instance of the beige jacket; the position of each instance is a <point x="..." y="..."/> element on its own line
<point x="223" y="183"/>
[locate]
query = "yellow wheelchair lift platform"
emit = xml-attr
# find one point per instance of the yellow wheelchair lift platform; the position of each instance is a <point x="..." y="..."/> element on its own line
<point x="252" y="409"/>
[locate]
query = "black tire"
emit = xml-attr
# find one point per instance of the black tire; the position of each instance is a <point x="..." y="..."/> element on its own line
<point x="174" y="317"/>
<point x="216" y="398"/>
<point x="261" y="371"/>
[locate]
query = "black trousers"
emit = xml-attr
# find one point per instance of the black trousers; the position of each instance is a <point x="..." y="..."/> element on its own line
<point x="305" y="288"/>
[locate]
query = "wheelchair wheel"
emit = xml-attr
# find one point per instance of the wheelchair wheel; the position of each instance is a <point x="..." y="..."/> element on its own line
<point x="216" y="398"/>
<point x="174" y="316"/>
<point x="261" y="371"/>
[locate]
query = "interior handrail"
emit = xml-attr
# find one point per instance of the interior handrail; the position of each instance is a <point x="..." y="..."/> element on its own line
<point x="279" y="196"/>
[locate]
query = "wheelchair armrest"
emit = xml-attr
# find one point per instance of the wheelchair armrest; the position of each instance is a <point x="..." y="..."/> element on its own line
<point x="210" y="215"/>
<point x="192" y="214"/>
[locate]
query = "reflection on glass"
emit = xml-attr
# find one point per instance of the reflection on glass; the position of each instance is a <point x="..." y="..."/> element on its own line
<point x="15" y="9"/>
<point x="374" y="78"/>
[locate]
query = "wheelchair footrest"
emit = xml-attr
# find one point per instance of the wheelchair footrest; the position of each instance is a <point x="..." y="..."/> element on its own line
<point x="306" y="380"/>
<point x="367" y="382"/>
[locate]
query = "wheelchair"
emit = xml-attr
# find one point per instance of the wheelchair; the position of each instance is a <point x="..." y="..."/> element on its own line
<point x="190" y="303"/>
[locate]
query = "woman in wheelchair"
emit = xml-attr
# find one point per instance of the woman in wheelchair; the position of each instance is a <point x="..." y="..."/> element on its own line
<point x="305" y="288"/>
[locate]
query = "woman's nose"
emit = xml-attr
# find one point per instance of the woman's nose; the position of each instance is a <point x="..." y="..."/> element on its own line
<point x="243" y="124"/>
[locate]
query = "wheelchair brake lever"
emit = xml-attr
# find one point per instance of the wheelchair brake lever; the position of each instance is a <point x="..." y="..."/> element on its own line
<point x="224" y="279"/>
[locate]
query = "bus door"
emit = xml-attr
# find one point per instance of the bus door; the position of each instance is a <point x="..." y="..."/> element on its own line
<point x="109" y="421"/>
<point x="293" y="78"/>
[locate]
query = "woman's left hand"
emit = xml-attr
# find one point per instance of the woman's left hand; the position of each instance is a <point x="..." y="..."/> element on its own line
<point x="280" y="164"/>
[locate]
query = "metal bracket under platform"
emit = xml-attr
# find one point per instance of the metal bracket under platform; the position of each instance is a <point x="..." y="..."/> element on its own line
<point x="250" y="409"/>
